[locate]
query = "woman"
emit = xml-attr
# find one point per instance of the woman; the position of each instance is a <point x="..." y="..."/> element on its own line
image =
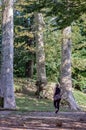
<point x="57" y="97"/>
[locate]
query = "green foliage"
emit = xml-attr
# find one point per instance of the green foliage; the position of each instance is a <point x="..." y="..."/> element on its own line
<point x="52" y="52"/>
<point x="64" y="12"/>
<point x="18" y="88"/>
<point x="79" y="53"/>
<point x="79" y="82"/>
<point x="24" y="44"/>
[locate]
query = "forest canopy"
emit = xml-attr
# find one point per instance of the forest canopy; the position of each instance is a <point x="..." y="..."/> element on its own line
<point x="57" y="15"/>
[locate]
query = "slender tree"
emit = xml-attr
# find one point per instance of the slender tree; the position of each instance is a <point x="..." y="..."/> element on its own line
<point x="7" y="84"/>
<point x="40" y="54"/>
<point x="66" y="80"/>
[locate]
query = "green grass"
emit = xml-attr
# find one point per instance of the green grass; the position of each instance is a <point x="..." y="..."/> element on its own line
<point x="80" y="99"/>
<point x="27" y="103"/>
<point x="31" y="103"/>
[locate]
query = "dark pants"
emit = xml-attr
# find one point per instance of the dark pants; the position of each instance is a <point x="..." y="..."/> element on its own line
<point x="56" y="103"/>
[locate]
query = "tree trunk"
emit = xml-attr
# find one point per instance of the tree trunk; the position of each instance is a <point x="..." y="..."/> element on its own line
<point x="40" y="54"/>
<point x="66" y="80"/>
<point x="7" y="84"/>
<point x="29" y="69"/>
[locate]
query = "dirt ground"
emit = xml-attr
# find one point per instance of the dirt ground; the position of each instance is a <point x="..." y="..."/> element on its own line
<point x="42" y="120"/>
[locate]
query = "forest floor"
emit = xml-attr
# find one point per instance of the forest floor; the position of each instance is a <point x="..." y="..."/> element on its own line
<point x="38" y="114"/>
<point x="15" y="120"/>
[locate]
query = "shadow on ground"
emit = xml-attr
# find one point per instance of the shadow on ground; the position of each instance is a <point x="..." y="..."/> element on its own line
<point x="42" y="120"/>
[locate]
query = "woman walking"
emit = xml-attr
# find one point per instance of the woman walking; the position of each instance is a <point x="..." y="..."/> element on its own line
<point x="57" y="97"/>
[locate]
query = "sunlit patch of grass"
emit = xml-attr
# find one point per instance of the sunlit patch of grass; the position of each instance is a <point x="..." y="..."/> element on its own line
<point x="25" y="103"/>
<point x="80" y="99"/>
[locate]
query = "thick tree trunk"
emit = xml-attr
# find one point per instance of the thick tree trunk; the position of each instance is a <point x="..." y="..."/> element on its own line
<point x="66" y="80"/>
<point x="1" y="91"/>
<point x="7" y="84"/>
<point x="40" y="54"/>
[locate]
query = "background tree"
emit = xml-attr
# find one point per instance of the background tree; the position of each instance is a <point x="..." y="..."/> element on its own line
<point x="40" y="54"/>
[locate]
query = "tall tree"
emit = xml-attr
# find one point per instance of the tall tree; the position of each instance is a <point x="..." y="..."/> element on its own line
<point x="7" y="84"/>
<point x="40" y="54"/>
<point x="66" y="79"/>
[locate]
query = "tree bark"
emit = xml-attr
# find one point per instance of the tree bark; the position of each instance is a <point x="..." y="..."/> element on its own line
<point x="40" y="54"/>
<point x="66" y="80"/>
<point x="7" y="83"/>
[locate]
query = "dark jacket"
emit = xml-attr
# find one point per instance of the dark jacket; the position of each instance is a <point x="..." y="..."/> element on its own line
<point x="57" y="94"/>
<point x="57" y="91"/>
